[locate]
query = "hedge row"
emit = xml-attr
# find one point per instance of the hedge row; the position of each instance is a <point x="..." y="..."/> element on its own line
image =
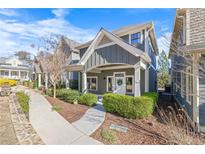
<point x="8" y="81"/>
<point x="71" y="96"/>
<point x="23" y="101"/>
<point x="130" y="107"/>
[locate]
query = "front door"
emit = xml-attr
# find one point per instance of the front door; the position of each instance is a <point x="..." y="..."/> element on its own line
<point x="120" y="85"/>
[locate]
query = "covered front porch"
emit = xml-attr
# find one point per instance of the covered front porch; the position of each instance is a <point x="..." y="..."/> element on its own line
<point x="114" y="78"/>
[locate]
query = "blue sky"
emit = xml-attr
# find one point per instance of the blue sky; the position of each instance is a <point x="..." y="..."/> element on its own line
<point x="19" y="28"/>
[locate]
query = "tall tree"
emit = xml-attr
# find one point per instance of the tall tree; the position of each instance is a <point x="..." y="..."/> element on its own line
<point x="163" y="75"/>
<point x="23" y="55"/>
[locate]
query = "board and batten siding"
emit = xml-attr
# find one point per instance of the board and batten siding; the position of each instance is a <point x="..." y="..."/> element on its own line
<point x="109" y="55"/>
<point x="82" y="51"/>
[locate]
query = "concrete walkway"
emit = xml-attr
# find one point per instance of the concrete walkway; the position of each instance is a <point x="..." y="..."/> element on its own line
<point x="52" y="127"/>
<point x="92" y="119"/>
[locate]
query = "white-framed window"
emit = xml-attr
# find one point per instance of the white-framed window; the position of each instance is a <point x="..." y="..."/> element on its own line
<point x="110" y="82"/>
<point x="92" y="83"/>
<point x="136" y="38"/>
<point x="129" y="84"/>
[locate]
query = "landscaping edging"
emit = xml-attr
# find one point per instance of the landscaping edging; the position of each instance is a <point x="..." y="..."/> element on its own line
<point x="25" y="133"/>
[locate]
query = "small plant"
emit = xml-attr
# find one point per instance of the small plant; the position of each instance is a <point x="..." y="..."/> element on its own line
<point x="88" y="99"/>
<point x="23" y="101"/>
<point x="108" y="136"/>
<point x="56" y="108"/>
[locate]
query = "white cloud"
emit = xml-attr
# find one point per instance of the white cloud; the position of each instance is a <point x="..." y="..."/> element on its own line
<point x="60" y="12"/>
<point x="16" y="35"/>
<point x="164" y="42"/>
<point x="8" y="12"/>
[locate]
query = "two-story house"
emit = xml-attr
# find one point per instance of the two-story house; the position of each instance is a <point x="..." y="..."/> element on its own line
<point x="122" y="61"/>
<point x="14" y="68"/>
<point x="188" y="62"/>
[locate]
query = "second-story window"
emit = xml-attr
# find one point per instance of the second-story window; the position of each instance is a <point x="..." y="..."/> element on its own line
<point x="136" y="38"/>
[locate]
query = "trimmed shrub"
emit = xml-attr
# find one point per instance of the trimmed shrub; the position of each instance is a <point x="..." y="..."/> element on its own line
<point x="128" y="106"/>
<point x="153" y="95"/>
<point x="67" y="95"/>
<point x="23" y="101"/>
<point x="8" y="81"/>
<point x="88" y="99"/>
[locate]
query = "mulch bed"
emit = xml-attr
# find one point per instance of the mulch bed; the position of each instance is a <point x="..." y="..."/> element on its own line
<point x="71" y="112"/>
<point x="146" y="131"/>
<point x="149" y="131"/>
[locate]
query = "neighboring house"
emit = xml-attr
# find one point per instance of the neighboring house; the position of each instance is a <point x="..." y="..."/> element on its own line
<point x="122" y="61"/>
<point x="13" y="68"/>
<point x="69" y="79"/>
<point x="187" y="59"/>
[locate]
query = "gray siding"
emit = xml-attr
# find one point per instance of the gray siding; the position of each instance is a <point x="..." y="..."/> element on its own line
<point x="109" y="55"/>
<point x="142" y="81"/>
<point x="202" y="104"/>
<point x="82" y="51"/>
<point x="102" y="78"/>
<point x="152" y="55"/>
<point x="152" y="80"/>
<point x="197" y="25"/>
<point x="125" y="38"/>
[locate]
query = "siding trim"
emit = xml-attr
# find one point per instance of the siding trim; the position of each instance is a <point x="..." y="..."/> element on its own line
<point x="105" y="45"/>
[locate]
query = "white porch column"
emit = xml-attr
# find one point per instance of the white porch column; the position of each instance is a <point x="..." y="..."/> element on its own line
<point x="67" y="80"/>
<point x="84" y="82"/>
<point x="196" y="89"/>
<point x="137" y="82"/>
<point x="46" y="80"/>
<point x="20" y="75"/>
<point x="79" y="81"/>
<point x="147" y="80"/>
<point x="9" y="73"/>
<point x="39" y="80"/>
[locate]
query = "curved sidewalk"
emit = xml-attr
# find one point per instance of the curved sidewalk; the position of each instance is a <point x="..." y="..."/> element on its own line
<point x="52" y="127"/>
<point x="91" y="120"/>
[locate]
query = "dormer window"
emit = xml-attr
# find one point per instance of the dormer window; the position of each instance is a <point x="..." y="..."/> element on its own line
<point x="136" y="38"/>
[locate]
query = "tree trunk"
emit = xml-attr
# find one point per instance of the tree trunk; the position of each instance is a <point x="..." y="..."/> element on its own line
<point x="54" y="90"/>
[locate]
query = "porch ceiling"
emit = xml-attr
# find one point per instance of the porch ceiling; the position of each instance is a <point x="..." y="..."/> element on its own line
<point x="98" y="69"/>
<point x="73" y="68"/>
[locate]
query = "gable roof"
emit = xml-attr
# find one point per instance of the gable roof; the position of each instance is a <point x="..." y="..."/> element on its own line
<point x="119" y="32"/>
<point x="131" y="27"/>
<point x="131" y="49"/>
<point x="72" y="44"/>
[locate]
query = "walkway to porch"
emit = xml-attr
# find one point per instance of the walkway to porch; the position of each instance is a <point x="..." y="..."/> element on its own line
<point x="92" y="119"/>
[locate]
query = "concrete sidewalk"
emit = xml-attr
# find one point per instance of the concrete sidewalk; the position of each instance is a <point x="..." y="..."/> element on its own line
<point x="91" y="120"/>
<point x="52" y="127"/>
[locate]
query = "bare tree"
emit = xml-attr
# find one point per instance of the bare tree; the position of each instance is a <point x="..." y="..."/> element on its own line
<point x="53" y="58"/>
